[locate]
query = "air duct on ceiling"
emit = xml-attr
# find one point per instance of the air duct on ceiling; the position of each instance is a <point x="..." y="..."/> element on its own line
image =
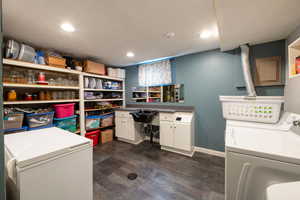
<point x="246" y="71"/>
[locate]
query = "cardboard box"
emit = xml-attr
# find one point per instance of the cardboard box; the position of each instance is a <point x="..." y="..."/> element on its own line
<point x="94" y="68"/>
<point x="106" y="136"/>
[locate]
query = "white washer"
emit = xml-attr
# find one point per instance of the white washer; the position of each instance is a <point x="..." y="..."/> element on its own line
<point x="260" y="157"/>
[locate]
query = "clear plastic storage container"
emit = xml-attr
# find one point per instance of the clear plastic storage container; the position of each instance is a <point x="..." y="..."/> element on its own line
<point x="92" y="122"/>
<point x="13" y="121"/>
<point x="40" y="120"/>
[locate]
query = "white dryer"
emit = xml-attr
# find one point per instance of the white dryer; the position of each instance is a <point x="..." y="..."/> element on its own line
<point x="260" y="156"/>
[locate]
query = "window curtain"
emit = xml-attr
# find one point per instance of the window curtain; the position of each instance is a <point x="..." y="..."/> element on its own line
<point x="153" y="74"/>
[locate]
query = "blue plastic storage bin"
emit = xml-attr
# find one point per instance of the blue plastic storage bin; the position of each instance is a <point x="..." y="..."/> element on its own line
<point x="67" y="123"/>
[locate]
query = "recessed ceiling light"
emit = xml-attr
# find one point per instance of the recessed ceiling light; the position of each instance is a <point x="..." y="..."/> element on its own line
<point x="212" y="32"/>
<point x="206" y="34"/>
<point x="130" y="54"/>
<point x="67" y="27"/>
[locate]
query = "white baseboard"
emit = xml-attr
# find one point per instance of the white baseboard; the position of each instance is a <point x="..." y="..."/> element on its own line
<point x="130" y="141"/>
<point x="210" y="152"/>
<point x="195" y="149"/>
<point x="185" y="153"/>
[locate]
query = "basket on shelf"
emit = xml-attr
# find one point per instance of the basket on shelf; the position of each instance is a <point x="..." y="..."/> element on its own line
<point x="55" y="61"/>
<point x="13" y="121"/>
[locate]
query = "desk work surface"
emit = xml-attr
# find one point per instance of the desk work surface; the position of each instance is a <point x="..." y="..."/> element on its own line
<point x="159" y="108"/>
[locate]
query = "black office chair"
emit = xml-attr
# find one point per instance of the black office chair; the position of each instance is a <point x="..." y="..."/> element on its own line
<point x="146" y="117"/>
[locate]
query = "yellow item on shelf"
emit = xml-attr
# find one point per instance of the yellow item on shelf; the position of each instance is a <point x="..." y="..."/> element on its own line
<point x="12" y="95"/>
<point x="293" y="70"/>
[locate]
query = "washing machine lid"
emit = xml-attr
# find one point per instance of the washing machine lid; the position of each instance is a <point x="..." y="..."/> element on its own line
<point x="284" y="191"/>
<point x="278" y="145"/>
<point x="31" y="147"/>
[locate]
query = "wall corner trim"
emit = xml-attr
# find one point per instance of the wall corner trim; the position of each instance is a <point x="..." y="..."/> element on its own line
<point x="210" y="152"/>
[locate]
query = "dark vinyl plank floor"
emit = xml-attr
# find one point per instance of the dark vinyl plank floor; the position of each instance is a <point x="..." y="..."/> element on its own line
<point x="162" y="175"/>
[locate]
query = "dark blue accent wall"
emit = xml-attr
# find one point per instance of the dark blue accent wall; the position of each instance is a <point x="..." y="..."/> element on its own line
<point x="206" y="76"/>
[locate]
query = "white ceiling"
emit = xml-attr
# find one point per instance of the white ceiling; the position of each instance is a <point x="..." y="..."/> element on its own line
<point x="255" y="21"/>
<point x="107" y="29"/>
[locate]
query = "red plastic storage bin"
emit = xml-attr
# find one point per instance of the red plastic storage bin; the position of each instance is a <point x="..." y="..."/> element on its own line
<point x="64" y="110"/>
<point x="94" y="136"/>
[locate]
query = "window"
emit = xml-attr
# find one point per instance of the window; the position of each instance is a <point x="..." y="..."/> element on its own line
<point x="158" y="73"/>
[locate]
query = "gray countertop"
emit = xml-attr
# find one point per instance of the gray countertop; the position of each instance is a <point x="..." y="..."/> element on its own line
<point x="159" y="108"/>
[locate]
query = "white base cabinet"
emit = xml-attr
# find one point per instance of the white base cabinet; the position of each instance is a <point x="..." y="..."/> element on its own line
<point x="177" y="132"/>
<point x="183" y="137"/>
<point x="127" y="129"/>
<point x="177" y="136"/>
<point x="124" y="128"/>
<point x="166" y="132"/>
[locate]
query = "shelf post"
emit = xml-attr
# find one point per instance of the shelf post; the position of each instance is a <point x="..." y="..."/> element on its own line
<point x="124" y="93"/>
<point x="161" y="93"/>
<point x="148" y="94"/>
<point x="81" y="105"/>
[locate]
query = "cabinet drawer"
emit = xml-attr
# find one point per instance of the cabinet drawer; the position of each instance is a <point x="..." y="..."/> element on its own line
<point x="166" y="116"/>
<point x="122" y="114"/>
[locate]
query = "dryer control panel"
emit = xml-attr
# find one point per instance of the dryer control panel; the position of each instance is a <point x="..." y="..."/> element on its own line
<point x="251" y="112"/>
